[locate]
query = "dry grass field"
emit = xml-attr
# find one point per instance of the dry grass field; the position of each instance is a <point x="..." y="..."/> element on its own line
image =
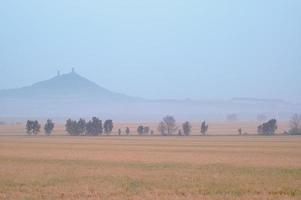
<point x="195" y="167"/>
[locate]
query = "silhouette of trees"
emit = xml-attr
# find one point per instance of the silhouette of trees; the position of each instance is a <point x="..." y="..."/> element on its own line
<point x="295" y="125"/>
<point x="140" y="130"/>
<point x="119" y="131"/>
<point x="239" y="131"/>
<point x="162" y="128"/>
<point x="75" y="128"/>
<point x="108" y="126"/>
<point x="81" y="126"/>
<point x="94" y="127"/>
<point x="186" y="128"/>
<point x="143" y="130"/>
<point x="146" y="130"/>
<point x="48" y="128"/>
<point x="167" y="126"/>
<point x="204" y="128"/>
<point x="267" y="128"/>
<point x="127" y="131"/>
<point x="33" y="127"/>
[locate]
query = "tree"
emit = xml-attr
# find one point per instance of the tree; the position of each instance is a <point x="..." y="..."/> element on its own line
<point x="239" y="131"/>
<point x="81" y="126"/>
<point x="180" y="132"/>
<point x="186" y="128"/>
<point x="143" y="130"/>
<point x="108" y="126"/>
<point x="146" y="130"/>
<point x="167" y="126"/>
<point x="267" y="128"/>
<point x="140" y="130"/>
<point x="162" y="128"/>
<point x="127" y="130"/>
<point x="70" y="127"/>
<point x="119" y="131"/>
<point x="33" y="127"/>
<point x="152" y="132"/>
<point x="75" y="128"/>
<point x="94" y="127"/>
<point x="204" y="128"/>
<point x="295" y="125"/>
<point x="48" y="128"/>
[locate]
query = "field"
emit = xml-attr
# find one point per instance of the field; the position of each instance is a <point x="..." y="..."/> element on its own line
<point x="133" y="167"/>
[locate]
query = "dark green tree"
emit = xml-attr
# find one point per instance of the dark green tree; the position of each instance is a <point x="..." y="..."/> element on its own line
<point x="140" y="130"/>
<point x="48" y="128"/>
<point x="146" y="130"/>
<point x="75" y="128"/>
<point x="94" y="127"/>
<point x="204" y="128"/>
<point x="268" y="128"/>
<point x="186" y="128"/>
<point x="108" y="126"/>
<point x="33" y="127"/>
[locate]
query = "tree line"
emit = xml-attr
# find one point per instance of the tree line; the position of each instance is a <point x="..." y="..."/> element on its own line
<point x="168" y="126"/>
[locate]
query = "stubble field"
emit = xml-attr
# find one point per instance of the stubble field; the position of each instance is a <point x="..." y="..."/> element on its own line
<point x="133" y="167"/>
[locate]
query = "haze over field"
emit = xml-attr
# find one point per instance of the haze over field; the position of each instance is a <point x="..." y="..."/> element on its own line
<point x="71" y="95"/>
<point x="157" y="49"/>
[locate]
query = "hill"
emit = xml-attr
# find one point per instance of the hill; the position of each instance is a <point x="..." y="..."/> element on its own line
<point x="71" y="95"/>
<point x="65" y="87"/>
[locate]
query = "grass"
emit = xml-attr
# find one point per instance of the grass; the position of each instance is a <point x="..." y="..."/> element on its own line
<point x="150" y="167"/>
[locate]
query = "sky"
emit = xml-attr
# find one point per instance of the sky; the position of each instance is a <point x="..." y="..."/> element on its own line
<point x="215" y="49"/>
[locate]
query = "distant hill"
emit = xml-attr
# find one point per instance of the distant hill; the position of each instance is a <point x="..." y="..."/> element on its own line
<point x="71" y="95"/>
<point x="66" y="86"/>
<point x="257" y="100"/>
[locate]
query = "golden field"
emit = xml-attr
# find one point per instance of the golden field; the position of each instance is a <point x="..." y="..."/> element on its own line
<point x="139" y="167"/>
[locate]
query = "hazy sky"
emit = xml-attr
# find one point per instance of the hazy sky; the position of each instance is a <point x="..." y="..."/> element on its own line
<point x="157" y="48"/>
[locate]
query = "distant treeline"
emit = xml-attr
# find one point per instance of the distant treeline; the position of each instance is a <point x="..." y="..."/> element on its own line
<point x="167" y="127"/>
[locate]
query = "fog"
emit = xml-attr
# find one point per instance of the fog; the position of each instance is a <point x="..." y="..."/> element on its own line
<point x="193" y="53"/>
